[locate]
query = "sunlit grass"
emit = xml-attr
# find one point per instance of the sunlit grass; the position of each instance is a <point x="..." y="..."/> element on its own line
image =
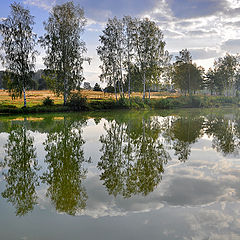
<point x="35" y="97"/>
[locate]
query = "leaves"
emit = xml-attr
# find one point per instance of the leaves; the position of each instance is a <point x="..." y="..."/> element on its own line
<point x="18" y="44"/>
<point x="64" y="48"/>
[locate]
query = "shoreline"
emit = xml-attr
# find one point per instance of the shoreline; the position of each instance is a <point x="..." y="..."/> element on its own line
<point x="135" y="103"/>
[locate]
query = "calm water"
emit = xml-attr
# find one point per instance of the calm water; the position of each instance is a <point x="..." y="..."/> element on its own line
<point x="121" y="175"/>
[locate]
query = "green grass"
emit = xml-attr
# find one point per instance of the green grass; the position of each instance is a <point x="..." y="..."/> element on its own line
<point x="82" y="104"/>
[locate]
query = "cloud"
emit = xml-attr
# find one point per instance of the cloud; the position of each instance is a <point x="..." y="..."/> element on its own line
<point x="44" y="4"/>
<point x="233" y="12"/>
<point x="204" y="53"/>
<point x="187" y="23"/>
<point x="201" y="33"/>
<point x="231" y="46"/>
<point x="199" y="8"/>
<point x="172" y="34"/>
<point x="101" y="204"/>
<point x="2" y="19"/>
<point x="189" y="191"/>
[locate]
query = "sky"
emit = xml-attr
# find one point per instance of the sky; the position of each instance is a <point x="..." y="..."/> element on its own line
<point x="208" y="28"/>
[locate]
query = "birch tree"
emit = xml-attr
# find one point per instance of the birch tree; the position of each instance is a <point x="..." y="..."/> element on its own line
<point x="149" y="47"/>
<point x="64" y="48"/>
<point x="111" y="54"/>
<point x="18" y="46"/>
<point x="129" y="27"/>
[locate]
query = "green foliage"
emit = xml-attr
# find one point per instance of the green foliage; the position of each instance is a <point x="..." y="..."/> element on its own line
<point x="133" y="157"/>
<point x="223" y="79"/>
<point x="22" y="165"/>
<point x="48" y="101"/>
<point x="64" y="48"/>
<point x="65" y="172"/>
<point x="123" y="103"/>
<point x="18" y="45"/>
<point x="137" y="102"/>
<point x="77" y="102"/>
<point x="135" y="47"/>
<point x="97" y="88"/>
<point x="187" y="76"/>
<point x="109" y="89"/>
<point x="102" y="104"/>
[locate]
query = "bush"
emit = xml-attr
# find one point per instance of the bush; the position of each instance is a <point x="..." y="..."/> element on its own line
<point x="77" y="102"/>
<point x="137" y="102"/>
<point x="97" y="88"/>
<point x="48" y="101"/>
<point x="109" y="89"/>
<point x="195" y="101"/>
<point x="123" y="103"/>
<point x="164" y="103"/>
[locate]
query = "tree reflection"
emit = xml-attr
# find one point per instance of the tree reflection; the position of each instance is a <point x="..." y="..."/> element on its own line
<point x="65" y="158"/>
<point x="21" y="176"/>
<point x="184" y="132"/>
<point x="132" y="157"/>
<point x="222" y="131"/>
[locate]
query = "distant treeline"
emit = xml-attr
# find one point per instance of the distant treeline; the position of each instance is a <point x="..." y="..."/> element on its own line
<point x="37" y="81"/>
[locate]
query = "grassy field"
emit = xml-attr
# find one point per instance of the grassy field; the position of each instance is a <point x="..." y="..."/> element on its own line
<point x="36" y="97"/>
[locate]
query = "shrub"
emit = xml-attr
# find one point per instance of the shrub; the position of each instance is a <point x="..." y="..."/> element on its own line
<point x="48" y="101"/>
<point x="165" y="103"/>
<point x="138" y="102"/>
<point x="97" y="88"/>
<point x="195" y="101"/>
<point x="123" y="103"/>
<point x="77" y="102"/>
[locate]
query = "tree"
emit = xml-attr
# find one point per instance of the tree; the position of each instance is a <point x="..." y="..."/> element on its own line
<point x="97" y="87"/>
<point x="227" y="69"/>
<point x="131" y="42"/>
<point x="133" y="157"/>
<point x="18" y="44"/>
<point x="209" y="80"/>
<point x="64" y="48"/>
<point x="183" y="132"/>
<point x="111" y="53"/>
<point x="65" y="171"/>
<point x="149" y="47"/>
<point x="21" y="177"/>
<point x="129" y="27"/>
<point x="222" y="132"/>
<point x="187" y="76"/>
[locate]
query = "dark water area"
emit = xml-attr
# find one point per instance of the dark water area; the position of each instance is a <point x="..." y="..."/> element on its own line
<point x="121" y="175"/>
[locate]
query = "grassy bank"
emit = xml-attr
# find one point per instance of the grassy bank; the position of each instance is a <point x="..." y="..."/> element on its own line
<point x="79" y="103"/>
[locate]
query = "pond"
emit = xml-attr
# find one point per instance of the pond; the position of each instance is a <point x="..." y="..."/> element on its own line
<point x="121" y="175"/>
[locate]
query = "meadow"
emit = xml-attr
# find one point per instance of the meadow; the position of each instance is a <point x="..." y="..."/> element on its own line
<point x="36" y="97"/>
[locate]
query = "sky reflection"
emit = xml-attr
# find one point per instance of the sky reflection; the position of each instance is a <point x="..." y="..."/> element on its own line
<point x="186" y="196"/>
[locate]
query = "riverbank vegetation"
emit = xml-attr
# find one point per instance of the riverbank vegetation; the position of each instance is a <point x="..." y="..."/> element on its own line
<point x="78" y="102"/>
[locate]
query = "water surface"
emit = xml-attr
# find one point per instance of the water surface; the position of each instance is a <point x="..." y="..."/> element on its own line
<point x="121" y="175"/>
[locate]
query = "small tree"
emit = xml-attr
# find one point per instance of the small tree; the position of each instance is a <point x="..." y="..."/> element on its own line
<point x="187" y="76"/>
<point x="64" y="48"/>
<point x="97" y="87"/>
<point x="18" y="44"/>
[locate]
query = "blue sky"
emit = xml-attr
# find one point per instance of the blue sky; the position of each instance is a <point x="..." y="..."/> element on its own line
<point x="208" y="28"/>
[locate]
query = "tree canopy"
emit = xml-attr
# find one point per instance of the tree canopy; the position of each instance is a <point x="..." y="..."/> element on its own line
<point x="18" y="45"/>
<point x="64" y="48"/>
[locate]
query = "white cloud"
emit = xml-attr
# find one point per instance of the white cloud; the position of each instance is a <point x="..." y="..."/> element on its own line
<point x="231" y="45"/>
<point x="44" y="4"/>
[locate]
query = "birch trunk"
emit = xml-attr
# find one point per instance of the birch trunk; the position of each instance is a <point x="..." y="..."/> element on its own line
<point x="24" y="97"/>
<point x="144" y="85"/>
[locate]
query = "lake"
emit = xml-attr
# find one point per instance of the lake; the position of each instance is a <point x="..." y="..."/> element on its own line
<point x="121" y="175"/>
